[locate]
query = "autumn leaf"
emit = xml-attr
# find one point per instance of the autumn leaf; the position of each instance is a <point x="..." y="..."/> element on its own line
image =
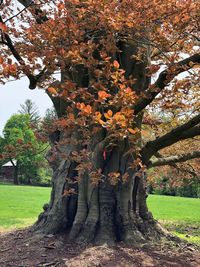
<point x="114" y="178"/>
<point x="3" y="27"/>
<point x="119" y="116"/>
<point x="61" y="6"/>
<point x="103" y="95"/>
<point x="62" y="123"/>
<point x="132" y="131"/>
<point x="80" y="105"/>
<point x="88" y="109"/>
<point x="116" y="64"/>
<point x="109" y="114"/>
<point x="153" y="69"/>
<point x="98" y="116"/>
<point x="13" y="68"/>
<point x="62" y="51"/>
<point x="68" y="192"/>
<point x="52" y="91"/>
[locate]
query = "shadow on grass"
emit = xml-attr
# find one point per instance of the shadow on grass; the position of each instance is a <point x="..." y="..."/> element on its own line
<point x="9" y="224"/>
<point x="189" y="232"/>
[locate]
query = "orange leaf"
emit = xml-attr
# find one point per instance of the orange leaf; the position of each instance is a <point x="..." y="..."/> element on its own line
<point x="52" y="91"/>
<point x="88" y="109"/>
<point x="116" y="64"/>
<point x="3" y="27"/>
<point x="13" y="68"/>
<point x="109" y="114"/>
<point x="1" y="60"/>
<point x="62" y="123"/>
<point x="103" y="94"/>
<point x="80" y="105"/>
<point x="61" y="6"/>
<point x="101" y="122"/>
<point x="98" y="115"/>
<point x="132" y="131"/>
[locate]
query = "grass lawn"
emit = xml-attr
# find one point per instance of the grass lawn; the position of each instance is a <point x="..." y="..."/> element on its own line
<point x="180" y="215"/>
<point x="20" y="206"/>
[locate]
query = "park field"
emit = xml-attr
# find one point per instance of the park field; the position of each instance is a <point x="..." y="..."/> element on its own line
<point x="20" y="206"/>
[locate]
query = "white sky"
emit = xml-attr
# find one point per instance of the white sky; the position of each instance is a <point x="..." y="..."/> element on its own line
<point x="15" y="93"/>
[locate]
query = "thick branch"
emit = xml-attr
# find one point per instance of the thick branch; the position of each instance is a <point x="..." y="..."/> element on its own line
<point x="185" y="131"/>
<point x="173" y="159"/>
<point x="195" y="131"/>
<point x="163" y="80"/>
<point x="40" y="18"/>
<point x="7" y="41"/>
<point x="31" y="77"/>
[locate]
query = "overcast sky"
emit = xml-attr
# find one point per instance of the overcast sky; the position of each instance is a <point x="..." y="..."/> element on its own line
<point x="15" y="93"/>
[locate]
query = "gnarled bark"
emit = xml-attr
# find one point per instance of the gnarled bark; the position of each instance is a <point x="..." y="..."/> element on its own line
<point x="101" y="213"/>
<point x="105" y="212"/>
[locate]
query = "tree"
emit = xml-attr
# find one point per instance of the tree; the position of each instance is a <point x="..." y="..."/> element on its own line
<point x="31" y="109"/>
<point x="180" y="176"/>
<point x="21" y="145"/>
<point x="1" y="151"/>
<point x="120" y="62"/>
<point x="50" y="116"/>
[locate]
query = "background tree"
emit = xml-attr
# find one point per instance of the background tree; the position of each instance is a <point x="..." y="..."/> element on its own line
<point x="21" y="144"/>
<point x="120" y="61"/>
<point x="31" y="109"/>
<point x="1" y="151"/>
<point x="50" y="116"/>
<point x="177" y="178"/>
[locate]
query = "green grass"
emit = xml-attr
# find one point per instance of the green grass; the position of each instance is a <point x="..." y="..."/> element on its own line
<point x="20" y="206"/>
<point x="178" y="214"/>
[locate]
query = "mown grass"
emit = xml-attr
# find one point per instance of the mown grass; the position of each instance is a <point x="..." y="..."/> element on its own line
<point x="178" y="214"/>
<point x="20" y="206"/>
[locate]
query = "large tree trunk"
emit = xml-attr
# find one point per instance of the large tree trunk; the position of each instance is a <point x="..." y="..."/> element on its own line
<point x="105" y="212"/>
<point x="97" y="213"/>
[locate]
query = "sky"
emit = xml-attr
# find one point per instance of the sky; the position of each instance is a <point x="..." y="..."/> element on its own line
<point x="14" y="93"/>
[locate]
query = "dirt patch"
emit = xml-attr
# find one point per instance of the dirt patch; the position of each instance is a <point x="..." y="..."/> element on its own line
<point x="21" y="249"/>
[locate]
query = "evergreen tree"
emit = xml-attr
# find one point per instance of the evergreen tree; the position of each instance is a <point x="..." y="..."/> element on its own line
<point x="31" y="109"/>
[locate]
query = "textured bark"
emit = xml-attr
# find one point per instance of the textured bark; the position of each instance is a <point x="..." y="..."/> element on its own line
<point x="106" y="212"/>
<point x="101" y="214"/>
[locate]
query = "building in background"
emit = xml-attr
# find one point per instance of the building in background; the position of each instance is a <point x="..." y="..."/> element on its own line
<point x="7" y="172"/>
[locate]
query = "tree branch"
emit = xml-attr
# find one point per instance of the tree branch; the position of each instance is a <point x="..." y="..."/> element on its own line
<point x="40" y="18"/>
<point x="8" y="42"/>
<point x="33" y="79"/>
<point x="184" y="131"/>
<point x="173" y="159"/>
<point x="14" y="16"/>
<point x="163" y="80"/>
<point x="39" y="15"/>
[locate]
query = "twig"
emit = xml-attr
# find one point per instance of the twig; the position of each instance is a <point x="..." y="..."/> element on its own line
<point x="19" y="12"/>
<point x="5" y="249"/>
<point x="53" y="263"/>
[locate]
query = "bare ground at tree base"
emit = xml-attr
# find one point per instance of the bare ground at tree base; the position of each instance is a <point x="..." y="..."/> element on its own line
<point x="21" y="249"/>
